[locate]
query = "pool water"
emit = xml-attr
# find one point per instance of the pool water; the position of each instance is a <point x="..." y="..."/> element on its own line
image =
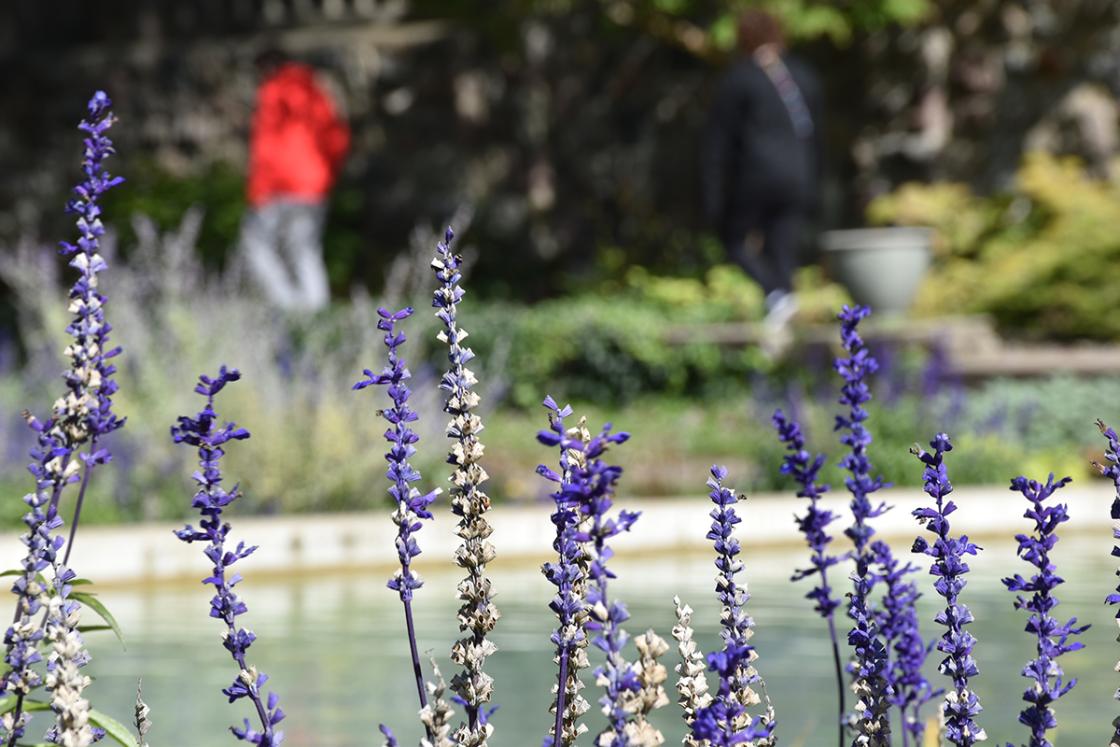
<point x="334" y="648"/>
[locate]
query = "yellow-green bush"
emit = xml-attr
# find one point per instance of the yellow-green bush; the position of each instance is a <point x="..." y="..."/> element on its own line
<point x="1040" y="259"/>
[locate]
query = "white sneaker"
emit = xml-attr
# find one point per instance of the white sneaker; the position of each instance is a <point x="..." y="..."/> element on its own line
<point x="781" y="308"/>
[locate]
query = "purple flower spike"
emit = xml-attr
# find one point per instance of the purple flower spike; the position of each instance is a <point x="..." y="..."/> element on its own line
<point x="52" y="470"/>
<point x="725" y="720"/>
<point x="86" y="413"/>
<point x="478" y="614"/>
<point x="854" y="394"/>
<point x="803" y="467"/>
<point x="567" y="574"/>
<point x="1111" y="470"/>
<point x="1053" y="637"/>
<point x="205" y="434"/>
<point x="412" y="505"/>
<point x="961" y="704"/>
<point x="592" y="488"/>
<point x="901" y="627"/>
<point x="871" y="665"/>
<point x="584" y="525"/>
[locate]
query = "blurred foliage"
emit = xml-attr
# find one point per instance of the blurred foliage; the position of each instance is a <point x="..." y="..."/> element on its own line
<point x="1040" y="259"/>
<point x="634" y="352"/>
<point x="999" y="432"/>
<point x="640" y="338"/>
<point x="601" y="351"/>
<point x="704" y="25"/>
<point x="163" y="197"/>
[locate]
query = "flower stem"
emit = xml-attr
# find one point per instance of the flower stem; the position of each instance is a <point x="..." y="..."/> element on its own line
<point x="413" y="650"/>
<point x="17" y="712"/>
<point x="78" y="503"/>
<point x="841" y="707"/>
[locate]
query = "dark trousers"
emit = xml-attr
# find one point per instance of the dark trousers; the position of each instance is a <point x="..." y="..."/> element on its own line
<point x="768" y="248"/>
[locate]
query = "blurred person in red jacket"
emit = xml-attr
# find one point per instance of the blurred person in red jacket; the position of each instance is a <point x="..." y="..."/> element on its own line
<point x="297" y="145"/>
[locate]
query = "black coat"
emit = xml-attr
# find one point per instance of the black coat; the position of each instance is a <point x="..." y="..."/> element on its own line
<point x="753" y="160"/>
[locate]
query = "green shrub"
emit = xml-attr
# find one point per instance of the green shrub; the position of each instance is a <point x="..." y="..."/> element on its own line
<point x="1040" y="259"/>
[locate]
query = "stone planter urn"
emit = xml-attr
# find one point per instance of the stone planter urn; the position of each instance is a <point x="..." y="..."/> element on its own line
<point x="881" y="267"/>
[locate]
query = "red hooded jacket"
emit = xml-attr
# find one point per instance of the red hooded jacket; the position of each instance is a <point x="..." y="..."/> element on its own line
<point x="298" y="141"/>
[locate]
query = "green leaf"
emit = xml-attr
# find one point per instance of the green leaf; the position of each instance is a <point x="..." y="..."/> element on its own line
<point x="81" y="582"/>
<point x="93" y="628"/>
<point x="113" y="728"/>
<point x="95" y="604"/>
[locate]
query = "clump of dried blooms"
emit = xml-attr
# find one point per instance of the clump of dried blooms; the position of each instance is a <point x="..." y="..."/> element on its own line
<point x="1111" y="470"/>
<point x="692" y="683"/>
<point x="205" y="433"/>
<point x="961" y="704"/>
<point x="64" y="679"/>
<point x="1053" y="638"/>
<point x="478" y="613"/>
<point x="651" y="675"/>
<point x="436" y="715"/>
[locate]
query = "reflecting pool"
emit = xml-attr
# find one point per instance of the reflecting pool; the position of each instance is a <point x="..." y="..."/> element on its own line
<point x="334" y="648"/>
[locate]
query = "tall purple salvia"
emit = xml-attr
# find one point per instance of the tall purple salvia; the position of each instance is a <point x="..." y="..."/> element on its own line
<point x="586" y="487"/>
<point x="81" y="416"/>
<point x="87" y="411"/>
<point x="478" y="613"/>
<point x="567" y="574"/>
<point x="1053" y="638"/>
<point x="726" y="720"/>
<point x="871" y="654"/>
<point x="591" y="488"/>
<point x="412" y="505"/>
<point x="961" y="705"/>
<point x="208" y="435"/>
<point x="804" y="467"/>
<point x="1111" y="470"/>
<point x="901" y="626"/>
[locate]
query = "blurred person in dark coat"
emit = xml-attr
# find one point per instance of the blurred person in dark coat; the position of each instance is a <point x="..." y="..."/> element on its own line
<point x="297" y="145"/>
<point x="762" y="160"/>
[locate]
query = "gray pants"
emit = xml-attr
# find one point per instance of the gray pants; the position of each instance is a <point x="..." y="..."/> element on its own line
<point x="282" y="242"/>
